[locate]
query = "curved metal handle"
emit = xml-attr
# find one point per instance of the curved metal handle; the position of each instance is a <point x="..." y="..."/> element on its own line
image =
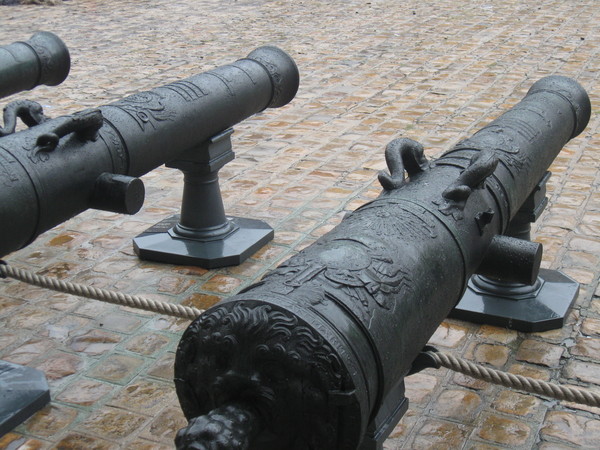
<point x="85" y="124"/>
<point x="31" y="113"/>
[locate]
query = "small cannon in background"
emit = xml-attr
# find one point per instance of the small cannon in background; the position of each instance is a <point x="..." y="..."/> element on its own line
<point x="314" y="355"/>
<point x="43" y="59"/>
<point x="58" y="168"/>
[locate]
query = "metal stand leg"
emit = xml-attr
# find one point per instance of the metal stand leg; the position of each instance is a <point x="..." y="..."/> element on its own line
<point x="202" y="235"/>
<point x="23" y="391"/>
<point x="541" y="306"/>
<point x="389" y="414"/>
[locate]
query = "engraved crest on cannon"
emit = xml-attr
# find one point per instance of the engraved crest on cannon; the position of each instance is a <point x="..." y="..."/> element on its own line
<point x="146" y="108"/>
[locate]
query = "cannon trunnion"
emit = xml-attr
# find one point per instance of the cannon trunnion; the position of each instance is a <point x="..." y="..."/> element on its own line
<point x="315" y="354"/>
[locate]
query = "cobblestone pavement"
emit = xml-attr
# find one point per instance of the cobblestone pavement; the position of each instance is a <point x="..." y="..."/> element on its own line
<point x="371" y="71"/>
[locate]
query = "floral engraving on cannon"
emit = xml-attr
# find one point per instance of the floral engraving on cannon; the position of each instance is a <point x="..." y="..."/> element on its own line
<point x="145" y="108"/>
<point x="7" y="173"/>
<point x="361" y="273"/>
<point x="48" y="60"/>
<point x="416" y="221"/>
<point x="116" y="147"/>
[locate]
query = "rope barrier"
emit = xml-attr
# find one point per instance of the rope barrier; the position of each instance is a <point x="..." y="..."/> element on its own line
<point x="103" y="295"/>
<point x="446" y="360"/>
<point x="510" y="380"/>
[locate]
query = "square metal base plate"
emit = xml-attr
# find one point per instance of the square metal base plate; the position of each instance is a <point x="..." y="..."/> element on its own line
<point x="157" y="244"/>
<point x="546" y="310"/>
<point x="389" y="414"/>
<point x="23" y="391"/>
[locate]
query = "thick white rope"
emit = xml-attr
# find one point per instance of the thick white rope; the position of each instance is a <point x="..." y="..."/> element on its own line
<point x="104" y="295"/>
<point x="510" y="380"/>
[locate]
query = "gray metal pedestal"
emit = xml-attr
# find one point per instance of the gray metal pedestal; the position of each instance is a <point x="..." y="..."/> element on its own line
<point x="23" y="391"/>
<point x="541" y="307"/>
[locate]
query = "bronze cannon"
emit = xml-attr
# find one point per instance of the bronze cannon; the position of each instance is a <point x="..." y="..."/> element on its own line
<point x="315" y="354"/>
<point x="58" y="168"/>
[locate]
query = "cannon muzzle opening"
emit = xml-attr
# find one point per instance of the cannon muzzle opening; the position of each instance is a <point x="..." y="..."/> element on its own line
<point x="283" y="72"/>
<point x="572" y="92"/>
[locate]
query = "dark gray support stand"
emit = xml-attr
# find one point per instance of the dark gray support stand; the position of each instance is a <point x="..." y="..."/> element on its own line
<point x="542" y="306"/>
<point x="23" y="391"/>
<point x="202" y="235"/>
<point x="381" y="426"/>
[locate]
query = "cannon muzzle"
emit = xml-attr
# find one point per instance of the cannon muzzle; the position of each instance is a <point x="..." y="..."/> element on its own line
<point x="315" y="354"/>
<point x="60" y="167"/>
<point x="43" y="59"/>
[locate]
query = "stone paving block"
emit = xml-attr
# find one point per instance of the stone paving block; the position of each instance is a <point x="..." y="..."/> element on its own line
<point x="538" y="352"/>
<point x="65" y="328"/>
<point x="222" y="284"/>
<point x="163" y="368"/>
<point x="18" y="441"/>
<point x="59" y="365"/>
<point x="27" y="317"/>
<point x="555" y="446"/>
<point x="165" y="425"/>
<point x="116" y="368"/>
<point x="457" y="404"/>
<point x="8" y="340"/>
<point x="495" y="355"/>
<point x="582" y="371"/>
<point x="530" y="371"/>
<point x="119" y="322"/>
<point x="587" y="347"/>
<point x="147" y="343"/>
<point x="92" y="309"/>
<point x="419" y="387"/>
<point x="84" y="392"/>
<point x="169" y="324"/>
<point x="113" y="423"/>
<point x="569" y="428"/>
<point x="590" y="327"/>
<point x="28" y="352"/>
<point x="511" y="402"/>
<point x="582" y="275"/>
<point x="95" y="342"/>
<point x="496" y="334"/>
<point x="51" y="420"/>
<point x="174" y="285"/>
<point x="449" y="335"/>
<point x="441" y="434"/>
<point x="7" y="304"/>
<point x="144" y="397"/>
<point x="469" y="382"/>
<point x="142" y="444"/>
<point x="503" y="430"/>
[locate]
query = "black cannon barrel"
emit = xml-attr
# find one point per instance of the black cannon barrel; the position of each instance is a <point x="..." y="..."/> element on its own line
<point x="315" y="354"/>
<point x="43" y="59"/>
<point x="61" y="167"/>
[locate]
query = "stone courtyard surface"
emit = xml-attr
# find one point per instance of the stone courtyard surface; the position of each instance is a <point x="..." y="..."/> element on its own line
<point x="434" y="71"/>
